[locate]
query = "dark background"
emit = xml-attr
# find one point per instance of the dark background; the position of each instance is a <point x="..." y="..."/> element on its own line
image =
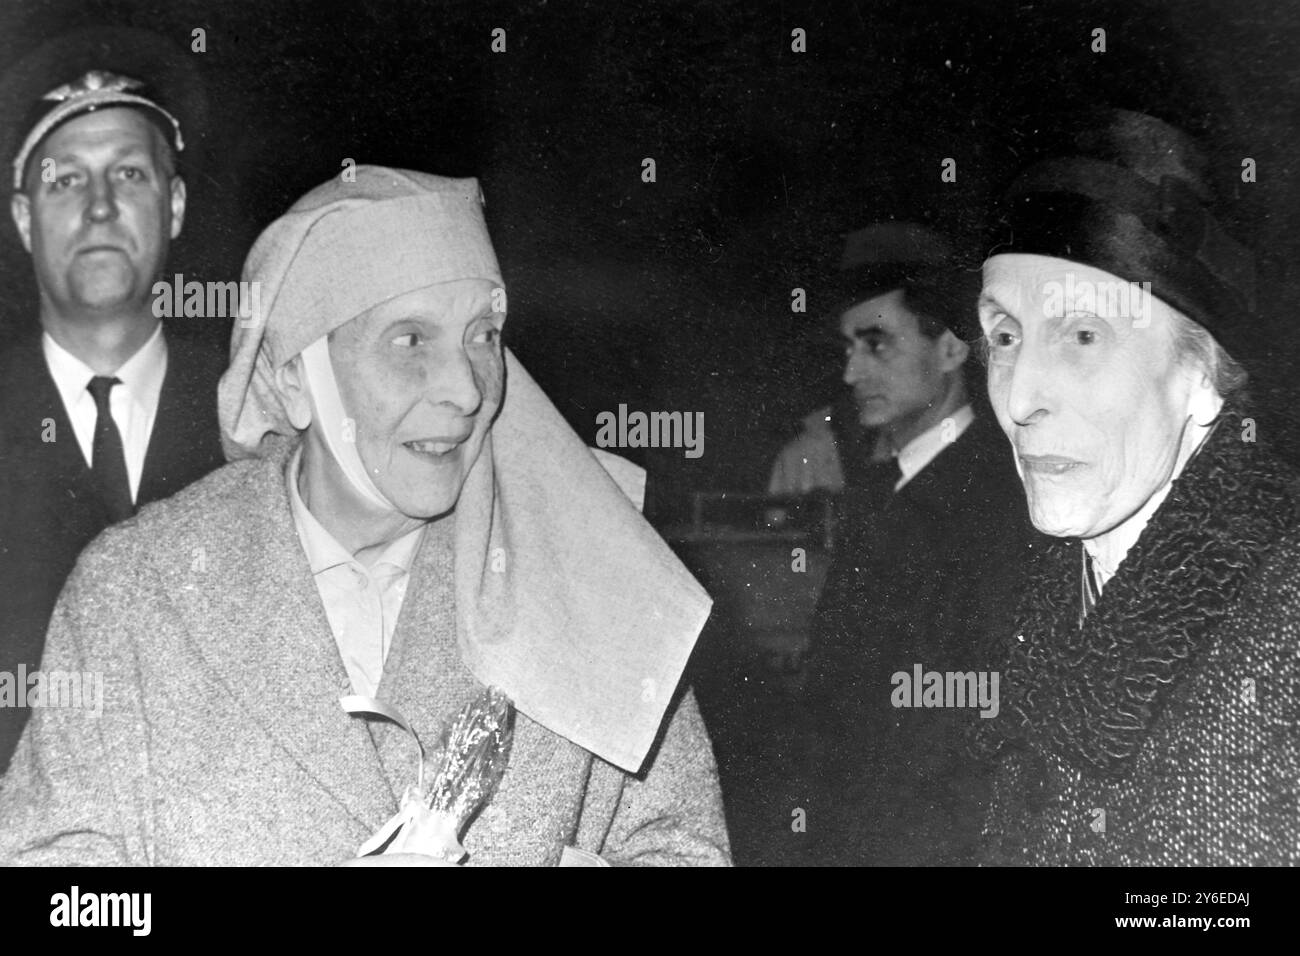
<point x="676" y="295"/>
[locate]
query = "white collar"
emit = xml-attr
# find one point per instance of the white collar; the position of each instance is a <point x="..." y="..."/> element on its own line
<point x="925" y="447"/>
<point x="141" y="375"/>
<point x="1107" y="555"/>
<point x="323" y="549"/>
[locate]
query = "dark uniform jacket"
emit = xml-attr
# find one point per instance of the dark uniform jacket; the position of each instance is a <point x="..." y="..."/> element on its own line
<point x="925" y="576"/>
<point x="49" y="510"/>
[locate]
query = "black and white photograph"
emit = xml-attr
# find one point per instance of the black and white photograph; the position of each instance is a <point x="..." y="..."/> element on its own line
<point x="732" y="434"/>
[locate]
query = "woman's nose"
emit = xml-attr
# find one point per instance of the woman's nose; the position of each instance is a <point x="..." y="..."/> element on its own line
<point x="1029" y="384"/>
<point x="453" y="381"/>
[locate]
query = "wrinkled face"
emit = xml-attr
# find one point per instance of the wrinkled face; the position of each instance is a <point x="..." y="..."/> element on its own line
<point x="1084" y="381"/>
<point x="895" y="371"/>
<point x="100" y="231"/>
<point x="423" y="376"/>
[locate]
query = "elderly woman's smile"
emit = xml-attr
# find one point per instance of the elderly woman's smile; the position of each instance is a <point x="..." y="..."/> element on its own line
<point x="422" y="375"/>
<point x="1049" y="464"/>
<point x="434" y="448"/>
<point x="1093" y="398"/>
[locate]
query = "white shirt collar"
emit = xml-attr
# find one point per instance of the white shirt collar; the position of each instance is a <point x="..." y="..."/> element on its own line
<point x="141" y="375"/>
<point x="1107" y="556"/>
<point x="323" y="549"/>
<point x="1109" y="550"/>
<point x="925" y="447"/>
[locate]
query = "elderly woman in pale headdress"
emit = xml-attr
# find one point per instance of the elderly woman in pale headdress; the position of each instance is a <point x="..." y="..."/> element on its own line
<point x="411" y="522"/>
<point x="1150" y="683"/>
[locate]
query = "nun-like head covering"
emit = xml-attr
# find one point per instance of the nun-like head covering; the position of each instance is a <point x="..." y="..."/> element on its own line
<point x="340" y="250"/>
<point x="566" y="599"/>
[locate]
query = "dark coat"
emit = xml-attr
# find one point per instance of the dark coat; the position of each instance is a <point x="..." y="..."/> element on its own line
<point x="49" y="510"/>
<point x="922" y="576"/>
<point x="1165" y="730"/>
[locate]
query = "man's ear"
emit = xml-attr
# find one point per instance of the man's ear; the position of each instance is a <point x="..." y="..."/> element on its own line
<point x="952" y="351"/>
<point x="291" y="383"/>
<point x="178" y="205"/>
<point x="20" y="207"/>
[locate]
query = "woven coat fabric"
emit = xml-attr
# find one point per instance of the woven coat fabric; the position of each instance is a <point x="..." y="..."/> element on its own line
<point x="1166" y="729"/>
<point x="222" y="740"/>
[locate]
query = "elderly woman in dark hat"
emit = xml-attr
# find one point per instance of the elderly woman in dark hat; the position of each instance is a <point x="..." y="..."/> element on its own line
<point x="1149" y="688"/>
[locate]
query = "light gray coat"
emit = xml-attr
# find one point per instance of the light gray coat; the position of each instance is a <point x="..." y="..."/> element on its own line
<point x="222" y="740"/>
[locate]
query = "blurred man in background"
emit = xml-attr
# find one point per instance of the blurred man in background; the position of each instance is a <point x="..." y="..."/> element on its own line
<point x="931" y="541"/>
<point x="833" y="444"/>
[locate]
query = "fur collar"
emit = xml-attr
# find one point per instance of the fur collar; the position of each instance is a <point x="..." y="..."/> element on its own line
<point x="1090" y="694"/>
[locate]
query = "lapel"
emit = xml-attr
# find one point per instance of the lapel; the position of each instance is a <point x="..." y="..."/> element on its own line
<point x="423" y="674"/>
<point x="184" y="442"/>
<point x="425" y="678"/>
<point x="965" y="467"/>
<point x="53" y="472"/>
<point x="941" y="476"/>
<point x="256" y="619"/>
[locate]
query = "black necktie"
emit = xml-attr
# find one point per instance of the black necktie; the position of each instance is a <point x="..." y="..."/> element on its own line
<point x="884" y="475"/>
<point x="108" y="461"/>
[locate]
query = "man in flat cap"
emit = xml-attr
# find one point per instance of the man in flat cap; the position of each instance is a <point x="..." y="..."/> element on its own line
<point x="929" y="546"/>
<point x="410" y="523"/>
<point x="101" y="410"/>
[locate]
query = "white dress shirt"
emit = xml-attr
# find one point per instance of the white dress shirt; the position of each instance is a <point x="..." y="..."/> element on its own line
<point x="925" y="447"/>
<point x="133" y="404"/>
<point x="361" y="604"/>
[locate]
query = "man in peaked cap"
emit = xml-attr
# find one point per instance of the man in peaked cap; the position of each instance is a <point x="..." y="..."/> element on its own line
<point x="917" y="577"/>
<point x="102" y="410"/>
<point x="409" y="522"/>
